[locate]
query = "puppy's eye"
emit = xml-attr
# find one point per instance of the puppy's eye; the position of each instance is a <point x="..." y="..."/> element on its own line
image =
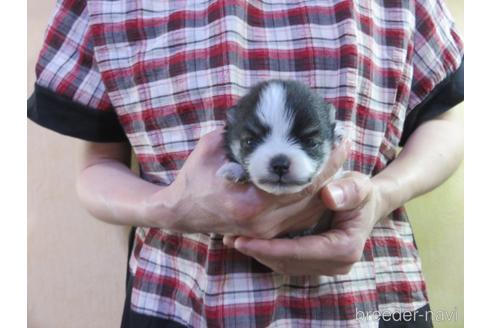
<point x="249" y="142"/>
<point x="312" y="143"/>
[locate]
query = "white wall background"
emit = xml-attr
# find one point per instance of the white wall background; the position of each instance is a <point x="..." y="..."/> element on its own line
<point x="76" y="264"/>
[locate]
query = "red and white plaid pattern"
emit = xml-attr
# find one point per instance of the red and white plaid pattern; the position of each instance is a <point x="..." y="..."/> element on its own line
<point x="170" y="69"/>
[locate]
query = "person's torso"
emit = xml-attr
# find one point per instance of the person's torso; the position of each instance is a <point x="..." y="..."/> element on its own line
<point x="173" y="68"/>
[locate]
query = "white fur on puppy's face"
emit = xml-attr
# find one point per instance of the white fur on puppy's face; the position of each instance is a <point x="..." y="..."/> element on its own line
<point x="273" y="113"/>
<point x="302" y="168"/>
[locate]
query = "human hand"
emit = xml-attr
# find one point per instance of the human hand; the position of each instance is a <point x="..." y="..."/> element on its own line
<point x="357" y="205"/>
<point x="300" y="211"/>
<point x="203" y="202"/>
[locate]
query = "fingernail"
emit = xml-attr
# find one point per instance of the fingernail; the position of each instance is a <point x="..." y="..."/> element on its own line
<point x="337" y="194"/>
<point x="228" y="241"/>
<point x="240" y="243"/>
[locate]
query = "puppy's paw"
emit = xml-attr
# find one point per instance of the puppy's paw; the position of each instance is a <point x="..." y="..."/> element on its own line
<point x="233" y="172"/>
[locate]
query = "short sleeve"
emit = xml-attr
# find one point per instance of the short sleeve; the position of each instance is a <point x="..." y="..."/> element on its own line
<point x="69" y="94"/>
<point x="438" y="65"/>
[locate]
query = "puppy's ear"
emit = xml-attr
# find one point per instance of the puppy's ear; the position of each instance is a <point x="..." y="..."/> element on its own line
<point x="336" y="129"/>
<point x="331" y="116"/>
<point x="231" y="115"/>
<point x="332" y="113"/>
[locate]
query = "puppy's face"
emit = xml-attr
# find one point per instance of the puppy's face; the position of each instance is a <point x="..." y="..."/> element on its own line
<point x="281" y="133"/>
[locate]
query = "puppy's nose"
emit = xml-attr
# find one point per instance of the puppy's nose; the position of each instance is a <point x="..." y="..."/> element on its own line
<point x="280" y="164"/>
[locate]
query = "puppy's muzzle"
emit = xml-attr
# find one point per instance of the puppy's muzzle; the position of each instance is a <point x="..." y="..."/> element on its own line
<point x="280" y="165"/>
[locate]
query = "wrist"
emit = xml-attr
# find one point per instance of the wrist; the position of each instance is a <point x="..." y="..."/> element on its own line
<point x="160" y="208"/>
<point x="389" y="195"/>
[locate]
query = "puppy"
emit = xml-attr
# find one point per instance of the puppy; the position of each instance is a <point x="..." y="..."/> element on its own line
<point x="278" y="136"/>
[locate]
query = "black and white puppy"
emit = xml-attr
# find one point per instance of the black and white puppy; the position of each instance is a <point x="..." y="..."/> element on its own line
<point x="278" y="136"/>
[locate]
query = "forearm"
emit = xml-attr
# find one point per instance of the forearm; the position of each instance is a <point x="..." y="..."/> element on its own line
<point x="430" y="156"/>
<point x="111" y="192"/>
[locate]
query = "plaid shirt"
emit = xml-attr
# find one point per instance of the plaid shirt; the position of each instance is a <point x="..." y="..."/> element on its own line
<point x="162" y="74"/>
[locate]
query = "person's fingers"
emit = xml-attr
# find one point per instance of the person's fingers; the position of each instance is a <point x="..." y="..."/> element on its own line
<point x="348" y="192"/>
<point x="331" y="245"/>
<point x="311" y="268"/>
<point x="305" y="220"/>
<point x="228" y="240"/>
<point x="337" y="158"/>
<point x="335" y="162"/>
<point x="212" y="143"/>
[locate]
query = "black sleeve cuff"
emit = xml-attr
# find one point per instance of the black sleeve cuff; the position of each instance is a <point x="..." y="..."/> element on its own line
<point x="63" y="115"/>
<point x="445" y="96"/>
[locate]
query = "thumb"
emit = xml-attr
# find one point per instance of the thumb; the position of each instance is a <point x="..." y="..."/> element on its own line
<point x="211" y="141"/>
<point x="334" y="163"/>
<point x="348" y="192"/>
<point x="210" y="148"/>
